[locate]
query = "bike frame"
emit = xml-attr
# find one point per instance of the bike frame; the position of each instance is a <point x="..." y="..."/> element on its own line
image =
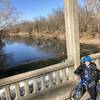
<point x="83" y="83"/>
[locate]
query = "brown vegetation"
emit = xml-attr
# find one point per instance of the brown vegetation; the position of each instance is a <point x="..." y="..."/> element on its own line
<point x="54" y="26"/>
<point x="8" y="16"/>
<point x="89" y="19"/>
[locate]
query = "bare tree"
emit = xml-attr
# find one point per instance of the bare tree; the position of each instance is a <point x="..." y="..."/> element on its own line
<point x="89" y="16"/>
<point x="7" y="15"/>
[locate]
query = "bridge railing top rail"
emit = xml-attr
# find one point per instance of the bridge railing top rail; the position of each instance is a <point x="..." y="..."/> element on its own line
<point x="35" y="73"/>
<point x="95" y="56"/>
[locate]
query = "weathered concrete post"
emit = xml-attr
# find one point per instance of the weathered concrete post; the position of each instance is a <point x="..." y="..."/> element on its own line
<point x="72" y="32"/>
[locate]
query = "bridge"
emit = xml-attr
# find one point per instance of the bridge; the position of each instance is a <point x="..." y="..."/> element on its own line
<point x="52" y="82"/>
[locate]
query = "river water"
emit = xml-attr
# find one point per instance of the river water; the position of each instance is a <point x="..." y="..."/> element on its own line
<point x="21" y="51"/>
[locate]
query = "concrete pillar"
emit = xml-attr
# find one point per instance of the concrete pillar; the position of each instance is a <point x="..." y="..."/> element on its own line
<point x="72" y="31"/>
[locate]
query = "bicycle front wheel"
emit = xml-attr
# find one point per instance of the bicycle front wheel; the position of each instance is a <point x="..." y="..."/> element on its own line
<point x="73" y="95"/>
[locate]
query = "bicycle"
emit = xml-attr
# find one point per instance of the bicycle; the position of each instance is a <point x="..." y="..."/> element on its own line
<point x="81" y="87"/>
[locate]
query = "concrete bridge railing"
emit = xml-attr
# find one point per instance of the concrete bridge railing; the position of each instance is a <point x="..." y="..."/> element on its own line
<point x="29" y="84"/>
<point x="96" y="59"/>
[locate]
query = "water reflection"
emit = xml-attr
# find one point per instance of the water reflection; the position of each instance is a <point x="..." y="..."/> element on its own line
<point x="19" y="55"/>
<point x="22" y="50"/>
<point x="3" y="58"/>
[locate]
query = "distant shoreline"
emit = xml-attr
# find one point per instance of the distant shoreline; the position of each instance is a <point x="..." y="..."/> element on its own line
<point x="45" y="35"/>
<point x="84" y="38"/>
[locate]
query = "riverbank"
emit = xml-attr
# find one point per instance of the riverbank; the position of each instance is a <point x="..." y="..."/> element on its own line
<point x="88" y="38"/>
<point x="39" y="35"/>
<point x="89" y="41"/>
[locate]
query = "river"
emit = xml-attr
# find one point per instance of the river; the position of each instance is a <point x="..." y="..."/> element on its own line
<point x="19" y="53"/>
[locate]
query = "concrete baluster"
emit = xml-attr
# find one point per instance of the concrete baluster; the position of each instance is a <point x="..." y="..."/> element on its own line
<point x="67" y="73"/>
<point x="26" y="88"/>
<point x="17" y="91"/>
<point x="35" y="85"/>
<point x="61" y="76"/>
<point x="54" y="78"/>
<point x="42" y="83"/>
<point x="5" y="93"/>
<point x="64" y="75"/>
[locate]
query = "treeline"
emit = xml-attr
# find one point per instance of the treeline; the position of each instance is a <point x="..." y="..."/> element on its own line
<point x="89" y="22"/>
<point x="53" y="23"/>
<point x="89" y="18"/>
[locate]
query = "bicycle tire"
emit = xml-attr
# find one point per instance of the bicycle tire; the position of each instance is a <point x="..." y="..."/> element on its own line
<point x="73" y="95"/>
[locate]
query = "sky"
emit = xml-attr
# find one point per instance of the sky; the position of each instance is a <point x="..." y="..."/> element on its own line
<point x="31" y="9"/>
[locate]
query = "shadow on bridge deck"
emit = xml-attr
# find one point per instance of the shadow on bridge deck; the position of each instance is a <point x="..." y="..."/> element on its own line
<point x="60" y="93"/>
<point x="56" y="94"/>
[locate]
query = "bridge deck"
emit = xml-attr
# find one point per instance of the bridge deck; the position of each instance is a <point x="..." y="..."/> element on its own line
<point x="60" y="94"/>
<point x="57" y="94"/>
